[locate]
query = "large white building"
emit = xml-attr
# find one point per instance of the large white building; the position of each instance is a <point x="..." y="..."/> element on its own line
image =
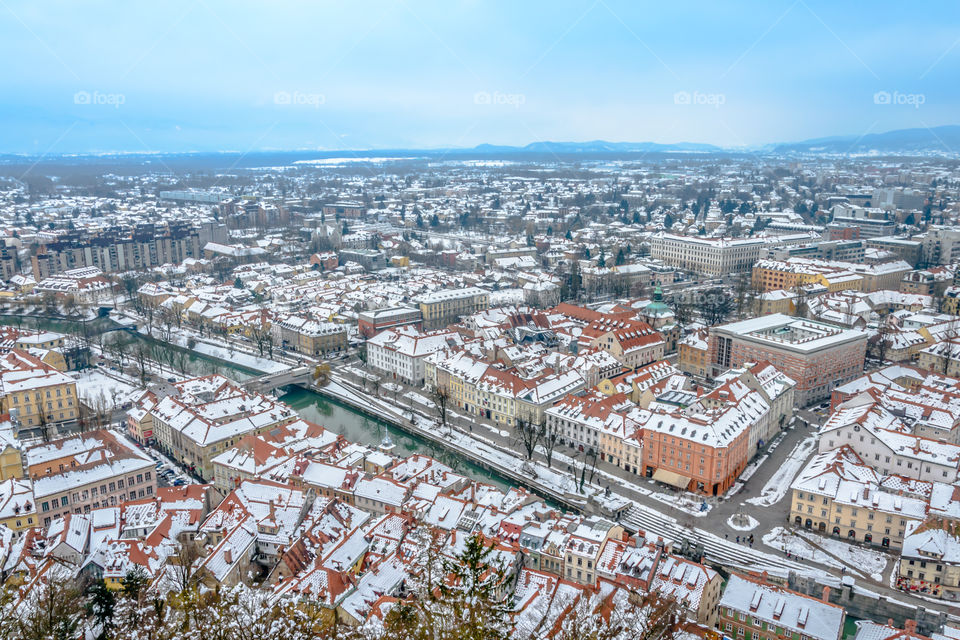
<point x="400" y="352"/>
<point x="718" y="256"/>
<point x="886" y="443"/>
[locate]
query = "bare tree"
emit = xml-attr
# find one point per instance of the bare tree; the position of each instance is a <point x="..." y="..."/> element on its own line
<point x="54" y="610"/>
<point x="682" y="310"/>
<point x="261" y="337"/>
<point x="440" y="397"/>
<point x="530" y="434"/>
<point x="800" y="301"/>
<point x="742" y="293"/>
<point x="141" y="358"/>
<point x="716" y="306"/>
<point x="181" y="566"/>
<point x="882" y="341"/>
<point x="69" y="304"/>
<point x="551" y="435"/>
<point x="183" y="361"/>
<point x="49" y="302"/>
<point x="149" y="314"/>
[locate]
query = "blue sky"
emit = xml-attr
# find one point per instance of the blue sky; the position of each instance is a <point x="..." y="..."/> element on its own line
<point x="208" y="75"/>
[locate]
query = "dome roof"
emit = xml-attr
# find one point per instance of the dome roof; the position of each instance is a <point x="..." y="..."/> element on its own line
<point x="657" y="307"/>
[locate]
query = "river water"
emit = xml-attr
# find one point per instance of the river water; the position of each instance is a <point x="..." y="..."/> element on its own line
<point x="309" y="404"/>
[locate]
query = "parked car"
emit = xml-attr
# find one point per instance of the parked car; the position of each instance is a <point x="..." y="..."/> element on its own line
<point x="179" y="482"/>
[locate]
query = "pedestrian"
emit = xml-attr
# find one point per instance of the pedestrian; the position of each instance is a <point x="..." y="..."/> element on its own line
<point x="726" y="536"/>
<point x="738" y="539"/>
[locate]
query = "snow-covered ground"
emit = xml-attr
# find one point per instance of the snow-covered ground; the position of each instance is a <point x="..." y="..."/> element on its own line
<point x="779" y="483"/>
<point x="224" y="351"/>
<point x="782" y="540"/>
<point x="238" y="357"/>
<point x="360" y="373"/>
<point x="555" y="480"/>
<point x="416" y="398"/>
<point x="756" y="464"/>
<point x="750" y="524"/>
<point x="865" y="560"/>
<point x="98" y="390"/>
<point x="686" y="502"/>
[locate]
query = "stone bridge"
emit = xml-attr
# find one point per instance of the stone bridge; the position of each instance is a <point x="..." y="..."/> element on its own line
<point x="268" y="382"/>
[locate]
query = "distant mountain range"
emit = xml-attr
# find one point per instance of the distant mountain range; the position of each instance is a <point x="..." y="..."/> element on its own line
<point x="599" y="146"/>
<point x="945" y="139"/>
<point x="935" y="140"/>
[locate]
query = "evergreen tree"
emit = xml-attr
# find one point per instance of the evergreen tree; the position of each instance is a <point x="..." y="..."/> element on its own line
<point x="100" y="606"/>
<point x="575" y="280"/>
<point x="473" y="594"/>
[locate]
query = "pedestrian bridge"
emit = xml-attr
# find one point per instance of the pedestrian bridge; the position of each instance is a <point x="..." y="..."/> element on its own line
<point x="269" y="382"/>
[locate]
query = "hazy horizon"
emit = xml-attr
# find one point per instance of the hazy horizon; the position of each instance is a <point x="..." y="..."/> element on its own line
<point x="211" y="76"/>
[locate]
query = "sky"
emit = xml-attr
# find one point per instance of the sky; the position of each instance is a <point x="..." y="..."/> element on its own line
<point x="204" y="75"/>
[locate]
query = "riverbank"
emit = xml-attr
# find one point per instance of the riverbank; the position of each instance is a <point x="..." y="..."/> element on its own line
<point x="555" y="485"/>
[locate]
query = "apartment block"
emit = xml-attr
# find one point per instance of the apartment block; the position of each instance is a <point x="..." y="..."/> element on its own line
<point x="817" y="356"/>
<point x="90" y="470"/>
<point x="444" y="307"/>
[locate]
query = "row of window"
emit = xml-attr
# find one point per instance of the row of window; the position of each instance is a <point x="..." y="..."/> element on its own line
<point x="104" y="489"/>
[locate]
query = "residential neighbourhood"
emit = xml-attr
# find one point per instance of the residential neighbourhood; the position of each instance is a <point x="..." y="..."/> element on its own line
<point x="479" y="321"/>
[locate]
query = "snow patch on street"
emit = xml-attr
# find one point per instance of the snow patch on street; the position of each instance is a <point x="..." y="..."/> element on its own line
<point x="782" y="540"/>
<point x="687" y="503"/>
<point x="100" y="391"/>
<point x="865" y="560"/>
<point x="779" y="483"/>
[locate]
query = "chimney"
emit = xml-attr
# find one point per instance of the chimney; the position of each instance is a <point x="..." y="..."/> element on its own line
<point x="826" y="595"/>
<point x="910" y="626"/>
<point x="228" y="555"/>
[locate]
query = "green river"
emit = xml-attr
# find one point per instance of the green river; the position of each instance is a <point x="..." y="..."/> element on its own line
<point x="309" y="404"/>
